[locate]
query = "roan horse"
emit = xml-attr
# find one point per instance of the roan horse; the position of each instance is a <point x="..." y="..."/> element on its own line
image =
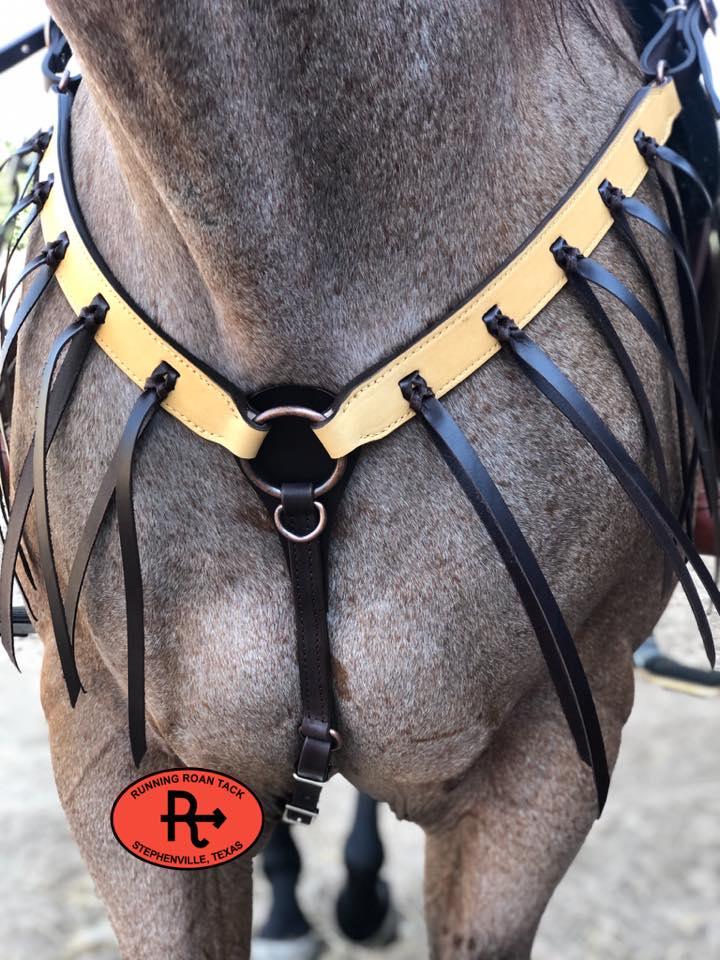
<point x="292" y="189"/>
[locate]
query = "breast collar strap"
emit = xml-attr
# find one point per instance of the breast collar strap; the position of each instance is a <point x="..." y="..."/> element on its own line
<point x="371" y="406"/>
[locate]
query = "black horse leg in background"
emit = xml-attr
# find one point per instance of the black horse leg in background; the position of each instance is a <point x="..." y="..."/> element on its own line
<point x="281" y="863"/>
<point x="364" y="911"/>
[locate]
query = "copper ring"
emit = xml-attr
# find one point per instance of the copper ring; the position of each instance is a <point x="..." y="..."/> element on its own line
<point x="305" y="413"/>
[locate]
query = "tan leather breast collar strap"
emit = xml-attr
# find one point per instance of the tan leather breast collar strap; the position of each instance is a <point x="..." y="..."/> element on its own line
<point x="371" y="407"/>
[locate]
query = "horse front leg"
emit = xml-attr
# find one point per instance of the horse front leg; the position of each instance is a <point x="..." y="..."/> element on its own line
<point x="512" y="828"/>
<point x="156" y="913"/>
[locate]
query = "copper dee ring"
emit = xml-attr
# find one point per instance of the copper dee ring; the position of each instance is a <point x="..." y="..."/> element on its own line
<point x="307" y="537"/>
<point x="305" y="413"/>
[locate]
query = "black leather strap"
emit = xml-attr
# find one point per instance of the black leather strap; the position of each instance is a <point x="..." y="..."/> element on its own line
<point x="553" y="383"/>
<point x="606" y="327"/>
<point x="13" y="247"/>
<point x="25" y="46"/>
<point x="60" y="396"/>
<point x="104" y="498"/>
<point x="38" y="144"/>
<point x="305" y="561"/>
<point x="46" y="263"/>
<point x="671" y="44"/>
<point x="32" y="296"/>
<point x="592" y="271"/>
<point x="623" y="207"/>
<point x="157" y="387"/>
<point x="86" y="326"/>
<point x="36" y="198"/>
<point x="678" y="47"/>
<point x="556" y="643"/>
<point x="582" y="287"/>
<point x="58" y="54"/>
<point x="698" y="27"/>
<point x="653" y="151"/>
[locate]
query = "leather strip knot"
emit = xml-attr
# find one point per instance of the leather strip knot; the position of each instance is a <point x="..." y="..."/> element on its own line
<point x="94" y="313"/>
<point x="55" y="251"/>
<point x="40" y="142"/>
<point x="42" y="191"/>
<point x="612" y="196"/>
<point x="162" y="380"/>
<point x="501" y="326"/>
<point x="566" y="256"/>
<point x="648" y="147"/>
<point x="415" y="390"/>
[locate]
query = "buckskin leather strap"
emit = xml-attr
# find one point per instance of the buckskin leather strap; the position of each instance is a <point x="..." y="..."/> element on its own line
<point x="305" y="562"/>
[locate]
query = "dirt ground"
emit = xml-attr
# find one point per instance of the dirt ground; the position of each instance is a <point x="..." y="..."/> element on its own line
<point x="646" y="886"/>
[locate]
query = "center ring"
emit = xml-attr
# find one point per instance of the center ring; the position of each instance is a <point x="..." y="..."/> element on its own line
<point x="304" y="413"/>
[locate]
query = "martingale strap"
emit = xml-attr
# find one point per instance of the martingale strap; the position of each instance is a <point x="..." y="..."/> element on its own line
<point x="305" y="563"/>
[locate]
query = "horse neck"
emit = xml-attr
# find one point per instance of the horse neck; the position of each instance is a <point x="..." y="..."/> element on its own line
<point x="294" y="193"/>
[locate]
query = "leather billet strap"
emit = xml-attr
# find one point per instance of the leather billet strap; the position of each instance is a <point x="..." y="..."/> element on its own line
<point x="449" y="351"/>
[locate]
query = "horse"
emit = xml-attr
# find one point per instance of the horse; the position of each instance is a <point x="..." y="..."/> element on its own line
<point x="293" y="189"/>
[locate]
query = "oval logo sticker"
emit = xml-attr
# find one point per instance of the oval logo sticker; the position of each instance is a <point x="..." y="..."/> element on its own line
<point x="187" y="819"/>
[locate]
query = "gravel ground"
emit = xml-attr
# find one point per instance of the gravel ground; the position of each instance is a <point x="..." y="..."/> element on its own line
<point x="646" y="885"/>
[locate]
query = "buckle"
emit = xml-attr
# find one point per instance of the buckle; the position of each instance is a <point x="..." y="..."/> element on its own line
<point x="293" y="814"/>
<point x="319" y="784"/>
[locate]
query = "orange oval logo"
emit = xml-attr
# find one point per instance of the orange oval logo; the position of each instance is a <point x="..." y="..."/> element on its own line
<point x="187" y="819"/>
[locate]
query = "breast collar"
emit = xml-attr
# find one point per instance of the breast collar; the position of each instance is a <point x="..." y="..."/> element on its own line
<point x="298" y="444"/>
<point x="371" y="406"/>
